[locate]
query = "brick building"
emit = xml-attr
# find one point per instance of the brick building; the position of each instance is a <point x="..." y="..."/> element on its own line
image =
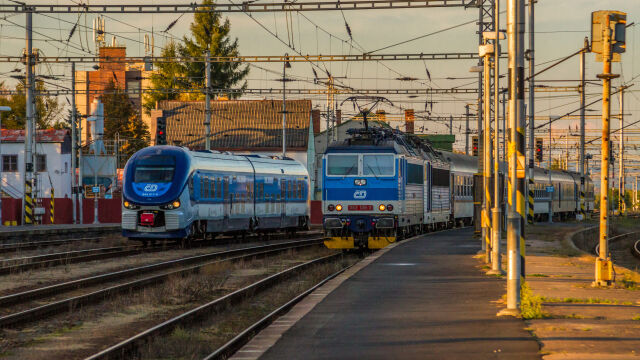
<point x="132" y="77"/>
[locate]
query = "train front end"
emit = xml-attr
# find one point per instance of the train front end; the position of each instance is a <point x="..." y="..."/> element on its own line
<point x="156" y="202"/>
<point x="360" y="197"/>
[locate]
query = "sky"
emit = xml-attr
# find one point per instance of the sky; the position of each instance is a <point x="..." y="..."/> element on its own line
<point x="560" y="27"/>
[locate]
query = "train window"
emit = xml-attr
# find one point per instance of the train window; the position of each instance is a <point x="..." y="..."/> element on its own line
<point x="219" y="190"/>
<point x="380" y="165"/>
<point x="206" y="188"/>
<point x="225" y="185"/>
<point x="154" y="169"/>
<point x="289" y="189"/>
<point x="343" y="165"/>
<point x="213" y="188"/>
<point x="261" y="195"/>
<point x="201" y="186"/>
<point x="414" y="174"/>
<point x="300" y="186"/>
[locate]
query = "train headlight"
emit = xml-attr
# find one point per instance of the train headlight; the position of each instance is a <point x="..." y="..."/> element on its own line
<point x="360" y="182"/>
<point x="127" y="204"/>
<point x="173" y="205"/>
<point x="330" y="207"/>
<point x="382" y="207"/>
<point x="389" y="207"/>
<point x="339" y="207"/>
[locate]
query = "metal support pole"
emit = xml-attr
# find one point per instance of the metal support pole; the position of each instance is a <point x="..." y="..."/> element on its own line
<point x="531" y="184"/>
<point x="515" y="36"/>
<point x="582" y="125"/>
<point x="284" y="109"/>
<point x="496" y="262"/>
<point x="450" y="124"/>
<point x="478" y="183"/>
<point x="621" y="191"/>
<point x="466" y="131"/>
<point x="74" y="195"/>
<point x="28" y="203"/>
<point x="486" y="150"/>
<point x="207" y="102"/>
<point x="80" y="179"/>
<point x="603" y="262"/>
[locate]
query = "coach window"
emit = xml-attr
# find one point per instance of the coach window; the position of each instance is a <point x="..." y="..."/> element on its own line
<point x="206" y="187"/>
<point x="342" y="165"/>
<point x="219" y="190"/>
<point x="382" y="165"/>
<point x="225" y="185"/>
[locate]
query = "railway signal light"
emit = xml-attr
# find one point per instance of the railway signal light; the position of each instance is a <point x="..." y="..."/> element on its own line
<point x="161" y="131"/>
<point x="474" y="142"/>
<point x="617" y="33"/>
<point x="539" y="144"/>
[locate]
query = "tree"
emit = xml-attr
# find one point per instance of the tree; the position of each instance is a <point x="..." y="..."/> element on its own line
<point x="208" y="31"/>
<point x="167" y="76"/>
<point x="122" y="120"/>
<point x="48" y="109"/>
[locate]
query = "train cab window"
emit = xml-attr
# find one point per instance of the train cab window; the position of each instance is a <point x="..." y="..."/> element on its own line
<point x="342" y="165"/>
<point x="154" y="169"/>
<point x="382" y="165"/>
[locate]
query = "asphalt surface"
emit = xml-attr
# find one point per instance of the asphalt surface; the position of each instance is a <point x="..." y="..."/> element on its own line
<point x="425" y="299"/>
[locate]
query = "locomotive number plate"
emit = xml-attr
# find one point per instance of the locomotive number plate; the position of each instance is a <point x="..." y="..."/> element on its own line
<point x="360" y="207"/>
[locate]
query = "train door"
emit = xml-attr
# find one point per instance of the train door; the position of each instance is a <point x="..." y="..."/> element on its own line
<point x="282" y="201"/>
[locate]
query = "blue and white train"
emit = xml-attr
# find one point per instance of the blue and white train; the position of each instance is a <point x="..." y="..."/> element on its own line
<point x="170" y="192"/>
<point x="381" y="185"/>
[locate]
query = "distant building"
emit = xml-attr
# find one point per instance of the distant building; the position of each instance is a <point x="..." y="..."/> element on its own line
<point x="131" y="77"/>
<point x="52" y="163"/>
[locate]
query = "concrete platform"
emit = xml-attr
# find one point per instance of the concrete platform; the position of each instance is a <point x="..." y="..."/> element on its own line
<point x="26" y="232"/>
<point x="426" y="298"/>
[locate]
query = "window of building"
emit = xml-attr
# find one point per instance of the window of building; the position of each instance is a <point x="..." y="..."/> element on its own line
<point x="41" y="162"/>
<point x="9" y="163"/>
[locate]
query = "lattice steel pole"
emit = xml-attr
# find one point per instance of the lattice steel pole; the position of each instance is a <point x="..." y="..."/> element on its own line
<point x="486" y="151"/>
<point x="531" y="56"/>
<point x="582" y="125"/>
<point x="28" y="203"/>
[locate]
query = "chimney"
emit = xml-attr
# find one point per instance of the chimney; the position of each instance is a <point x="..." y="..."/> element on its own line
<point x="107" y="54"/>
<point x="409" y="120"/>
<point x="315" y="120"/>
<point x="338" y="117"/>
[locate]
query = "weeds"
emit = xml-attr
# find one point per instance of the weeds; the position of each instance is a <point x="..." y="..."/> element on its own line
<point x="539" y="275"/>
<point x="530" y="304"/>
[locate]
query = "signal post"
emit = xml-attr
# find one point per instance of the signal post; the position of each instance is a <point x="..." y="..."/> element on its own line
<point x="607" y="41"/>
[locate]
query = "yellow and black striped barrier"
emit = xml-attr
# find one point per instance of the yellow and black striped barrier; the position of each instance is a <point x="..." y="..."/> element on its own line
<point x="531" y="190"/>
<point x="28" y="204"/>
<point x="52" y="210"/>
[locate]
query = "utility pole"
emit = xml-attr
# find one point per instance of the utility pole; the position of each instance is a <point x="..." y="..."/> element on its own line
<point x="450" y="124"/>
<point x="582" y="90"/>
<point x="207" y="102"/>
<point x="466" y="131"/>
<point x="621" y="185"/>
<point x="74" y="193"/>
<point x="531" y="56"/>
<point x="478" y="177"/>
<point x="602" y="31"/>
<point x="486" y="52"/>
<point x="28" y="202"/>
<point x="515" y="220"/>
<point x="496" y="263"/>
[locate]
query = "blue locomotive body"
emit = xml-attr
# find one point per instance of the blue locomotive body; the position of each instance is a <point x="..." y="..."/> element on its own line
<point x="171" y="192"/>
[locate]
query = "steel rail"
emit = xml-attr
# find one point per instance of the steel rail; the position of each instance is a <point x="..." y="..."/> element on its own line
<point x="635" y="249"/>
<point x="233" y="345"/>
<point x="62" y="255"/>
<point x="5" y="248"/>
<point x="123" y="349"/>
<point x="55" y="307"/>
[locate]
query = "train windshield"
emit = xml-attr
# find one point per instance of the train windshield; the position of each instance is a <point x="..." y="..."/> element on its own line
<point x="342" y="165"/>
<point x="154" y="169"/>
<point x="378" y="165"/>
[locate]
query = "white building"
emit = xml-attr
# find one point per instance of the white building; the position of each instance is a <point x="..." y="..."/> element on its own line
<point x="52" y="163"/>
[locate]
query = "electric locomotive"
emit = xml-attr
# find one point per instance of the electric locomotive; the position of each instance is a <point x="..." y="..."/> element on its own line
<point x="171" y="192"/>
<point x="377" y="188"/>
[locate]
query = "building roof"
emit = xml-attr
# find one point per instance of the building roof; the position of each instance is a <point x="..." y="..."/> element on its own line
<point x="238" y="125"/>
<point x="42" y="136"/>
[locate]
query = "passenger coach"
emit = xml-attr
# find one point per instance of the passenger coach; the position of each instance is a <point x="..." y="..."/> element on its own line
<point x="173" y="193"/>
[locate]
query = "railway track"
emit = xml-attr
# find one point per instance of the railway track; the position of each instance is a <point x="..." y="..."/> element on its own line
<point x="127" y="347"/>
<point x="16" y="265"/>
<point x="155" y="276"/>
<point x="33" y="245"/>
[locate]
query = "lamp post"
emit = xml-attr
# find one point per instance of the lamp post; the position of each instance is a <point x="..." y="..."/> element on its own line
<point x="2" y="108"/>
<point x="285" y="65"/>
